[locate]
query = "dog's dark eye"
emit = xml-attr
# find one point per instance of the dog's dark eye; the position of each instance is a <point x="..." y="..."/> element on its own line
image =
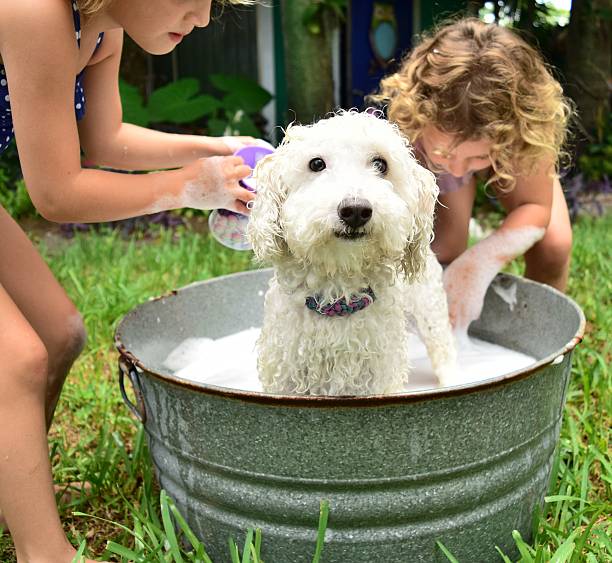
<point x="380" y="165"/>
<point x="317" y="164"/>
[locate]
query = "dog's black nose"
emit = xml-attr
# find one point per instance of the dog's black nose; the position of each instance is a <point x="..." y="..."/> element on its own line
<point x="355" y="212"/>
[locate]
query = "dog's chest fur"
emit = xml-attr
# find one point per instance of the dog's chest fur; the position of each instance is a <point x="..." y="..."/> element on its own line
<point x="338" y="355"/>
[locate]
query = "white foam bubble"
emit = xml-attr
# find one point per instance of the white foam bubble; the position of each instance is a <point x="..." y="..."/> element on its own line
<point x="231" y="362"/>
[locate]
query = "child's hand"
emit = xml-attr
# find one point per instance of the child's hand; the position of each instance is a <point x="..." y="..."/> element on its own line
<point x="467" y="278"/>
<point x="212" y="183"/>
<point x="466" y="282"/>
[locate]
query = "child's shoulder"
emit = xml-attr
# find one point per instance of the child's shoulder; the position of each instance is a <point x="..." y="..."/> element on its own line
<point x="34" y="16"/>
<point x="36" y="33"/>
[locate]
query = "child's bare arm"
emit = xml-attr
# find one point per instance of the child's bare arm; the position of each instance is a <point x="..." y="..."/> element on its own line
<point x="467" y="278"/>
<point x="107" y="141"/>
<point x="41" y="61"/>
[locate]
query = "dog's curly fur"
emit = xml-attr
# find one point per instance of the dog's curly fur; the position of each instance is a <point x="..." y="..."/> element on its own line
<point x="296" y="225"/>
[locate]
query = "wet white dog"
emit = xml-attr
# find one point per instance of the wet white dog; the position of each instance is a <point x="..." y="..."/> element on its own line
<point x="345" y="215"/>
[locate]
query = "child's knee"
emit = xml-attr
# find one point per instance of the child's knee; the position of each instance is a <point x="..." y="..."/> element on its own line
<point x="69" y="339"/>
<point x="76" y="335"/>
<point x="554" y="249"/>
<point x="26" y="366"/>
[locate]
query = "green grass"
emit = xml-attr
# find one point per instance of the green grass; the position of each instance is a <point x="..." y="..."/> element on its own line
<point x="124" y="517"/>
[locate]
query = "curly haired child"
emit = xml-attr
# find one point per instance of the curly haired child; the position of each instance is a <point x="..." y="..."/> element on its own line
<point x="478" y="102"/>
<point x="59" y="95"/>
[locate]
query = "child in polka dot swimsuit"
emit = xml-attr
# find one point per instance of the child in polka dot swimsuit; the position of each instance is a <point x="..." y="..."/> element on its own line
<point x="7" y="130"/>
<point x="59" y="95"/>
<point x="477" y="101"/>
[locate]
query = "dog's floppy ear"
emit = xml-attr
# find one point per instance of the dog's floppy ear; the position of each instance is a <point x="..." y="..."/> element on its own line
<point x="423" y="184"/>
<point x="265" y="229"/>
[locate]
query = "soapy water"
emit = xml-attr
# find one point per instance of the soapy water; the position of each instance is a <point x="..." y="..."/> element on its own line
<point x="231" y="362"/>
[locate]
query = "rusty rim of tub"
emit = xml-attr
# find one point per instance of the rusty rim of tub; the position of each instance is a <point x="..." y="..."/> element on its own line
<point x="127" y="360"/>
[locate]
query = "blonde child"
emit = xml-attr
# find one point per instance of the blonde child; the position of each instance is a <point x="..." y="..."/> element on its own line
<point x="478" y="102"/>
<point x="59" y="94"/>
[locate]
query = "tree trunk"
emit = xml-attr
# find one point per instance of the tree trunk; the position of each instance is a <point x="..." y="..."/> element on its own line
<point x="308" y="63"/>
<point x="589" y="62"/>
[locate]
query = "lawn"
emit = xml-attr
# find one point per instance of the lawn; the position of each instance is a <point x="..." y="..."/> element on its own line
<point x="94" y="437"/>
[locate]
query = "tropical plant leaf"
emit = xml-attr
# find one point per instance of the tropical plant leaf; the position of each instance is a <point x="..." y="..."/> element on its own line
<point x="178" y="102"/>
<point x="243" y="125"/>
<point x="132" y="104"/>
<point x="218" y="127"/>
<point x="242" y="93"/>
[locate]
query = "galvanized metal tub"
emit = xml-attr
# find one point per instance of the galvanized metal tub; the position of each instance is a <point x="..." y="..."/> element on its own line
<point x="464" y="466"/>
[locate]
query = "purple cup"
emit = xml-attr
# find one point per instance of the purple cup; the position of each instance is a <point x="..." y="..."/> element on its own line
<point x="229" y="227"/>
<point x="251" y="156"/>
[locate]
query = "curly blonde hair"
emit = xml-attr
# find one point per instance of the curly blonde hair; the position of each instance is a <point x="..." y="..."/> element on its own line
<point x="481" y="81"/>
<point x="88" y="7"/>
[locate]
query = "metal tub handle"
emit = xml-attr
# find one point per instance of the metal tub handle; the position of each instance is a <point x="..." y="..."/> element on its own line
<point x="127" y="367"/>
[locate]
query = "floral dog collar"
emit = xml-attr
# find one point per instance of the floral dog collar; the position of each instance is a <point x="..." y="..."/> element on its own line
<point x="341" y="308"/>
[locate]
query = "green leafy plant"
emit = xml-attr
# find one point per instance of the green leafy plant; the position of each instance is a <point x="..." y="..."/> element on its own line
<point x="241" y="99"/>
<point x="180" y="102"/>
<point x="177" y="102"/>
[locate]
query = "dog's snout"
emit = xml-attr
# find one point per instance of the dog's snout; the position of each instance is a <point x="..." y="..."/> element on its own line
<point x="355" y="212"/>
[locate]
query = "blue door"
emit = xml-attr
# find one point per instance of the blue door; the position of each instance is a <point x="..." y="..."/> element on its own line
<point x="378" y="33"/>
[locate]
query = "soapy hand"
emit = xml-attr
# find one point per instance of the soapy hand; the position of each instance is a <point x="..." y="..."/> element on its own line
<point x="466" y="281"/>
<point x="212" y="183"/>
<point x="467" y="278"/>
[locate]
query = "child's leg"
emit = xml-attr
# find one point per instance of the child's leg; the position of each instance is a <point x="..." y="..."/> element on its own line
<point x="40" y="335"/>
<point x="548" y="260"/>
<point x="26" y="488"/>
<point x="42" y="301"/>
<point x="452" y="221"/>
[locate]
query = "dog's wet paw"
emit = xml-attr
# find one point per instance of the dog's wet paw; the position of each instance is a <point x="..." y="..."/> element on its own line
<point x="448" y="376"/>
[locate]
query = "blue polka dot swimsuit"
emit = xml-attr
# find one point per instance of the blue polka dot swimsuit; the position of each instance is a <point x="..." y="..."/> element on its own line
<point x="7" y="131"/>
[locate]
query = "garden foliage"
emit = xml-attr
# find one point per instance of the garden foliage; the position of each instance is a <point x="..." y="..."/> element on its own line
<point x="180" y="102"/>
